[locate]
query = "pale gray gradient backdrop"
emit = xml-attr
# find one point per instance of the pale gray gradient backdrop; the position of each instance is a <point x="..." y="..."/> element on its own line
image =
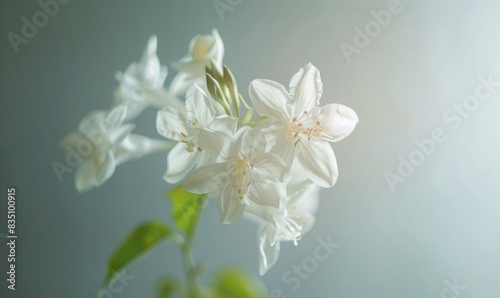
<point x="442" y="223"/>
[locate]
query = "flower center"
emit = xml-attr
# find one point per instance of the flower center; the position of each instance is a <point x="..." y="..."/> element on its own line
<point x="190" y="145"/>
<point x="301" y="131"/>
<point x="290" y="231"/>
<point x="196" y="124"/>
<point x="243" y="178"/>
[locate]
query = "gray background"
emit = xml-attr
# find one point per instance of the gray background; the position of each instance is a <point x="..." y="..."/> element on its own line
<point x="442" y="223"/>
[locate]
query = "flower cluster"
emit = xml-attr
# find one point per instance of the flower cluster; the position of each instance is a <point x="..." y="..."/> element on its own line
<point x="270" y="166"/>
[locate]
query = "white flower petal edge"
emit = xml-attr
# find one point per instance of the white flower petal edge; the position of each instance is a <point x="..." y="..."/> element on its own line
<point x="338" y="121"/>
<point x="200" y="118"/>
<point x="180" y="162"/>
<point x="103" y="142"/>
<point x="135" y="146"/>
<point x="141" y="85"/>
<point x="202" y="50"/>
<point x="319" y="163"/>
<point x="270" y="99"/>
<point x="288" y="223"/>
<point x="85" y="176"/>
<point x="269" y="253"/>
<point x="306" y="88"/>
<point x="290" y="226"/>
<point x="300" y="128"/>
<point x="240" y="177"/>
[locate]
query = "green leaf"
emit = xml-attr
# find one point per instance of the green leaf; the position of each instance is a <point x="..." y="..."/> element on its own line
<point x="236" y="283"/>
<point x="139" y="241"/>
<point x="186" y="208"/>
<point x="168" y="288"/>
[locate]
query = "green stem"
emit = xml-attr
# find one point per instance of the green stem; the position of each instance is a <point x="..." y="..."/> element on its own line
<point x="256" y="121"/>
<point x="186" y="246"/>
<point x="191" y="273"/>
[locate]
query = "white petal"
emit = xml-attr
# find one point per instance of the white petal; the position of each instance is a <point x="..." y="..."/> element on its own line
<point x="206" y="47"/>
<point x="131" y="79"/>
<point x="217" y="51"/>
<point x="115" y="117"/>
<point x="337" y="121"/>
<point x="272" y="130"/>
<point x="200" y="46"/>
<point x="271" y="166"/>
<point x="319" y="161"/>
<point x="182" y="81"/>
<point x="258" y="212"/>
<point x="136" y="146"/>
<point x="160" y="98"/>
<point x="82" y="146"/>
<point x="192" y="68"/>
<point x="170" y="124"/>
<point x="285" y="148"/>
<point x="208" y="178"/>
<point x="72" y="140"/>
<point x="299" y="185"/>
<point x="246" y="144"/>
<point x="299" y="176"/>
<point x="151" y="47"/>
<point x="215" y="143"/>
<point x="198" y="107"/>
<point x="224" y="124"/>
<point x="131" y="95"/>
<point x="229" y="206"/>
<point x="93" y="121"/>
<point x="85" y="176"/>
<point x="249" y="143"/>
<point x="273" y="228"/>
<point x="106" y="168"/>
<point x="155" y="76"/>
<point x="180" y="163"/>
<point x="269" y="193"/>
<point x="279" y="140"/>
<point x="306" y="221"/>
<point x="268" y="254"/>
<point x="118" y="135"/>
<point x="134" y="108"/>
<point x="269" y="99"/>
<point x="306" y="89"/>
<point x="305" y="200"/>
<point x="153" y="73"/>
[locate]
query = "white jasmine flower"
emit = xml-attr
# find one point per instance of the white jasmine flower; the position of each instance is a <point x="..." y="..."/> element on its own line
<point x="290" y="222"/>
<point x="101" y="143"/>
<point x="141" y="85"/>
<point x="300" y="128"/>
<point x="202" y="50"/>
<point x="201" y="115"/>
<point x="243" y="173"/>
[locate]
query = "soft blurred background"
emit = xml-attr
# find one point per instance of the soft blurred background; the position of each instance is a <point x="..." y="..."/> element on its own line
<point x="436" y="235"/>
